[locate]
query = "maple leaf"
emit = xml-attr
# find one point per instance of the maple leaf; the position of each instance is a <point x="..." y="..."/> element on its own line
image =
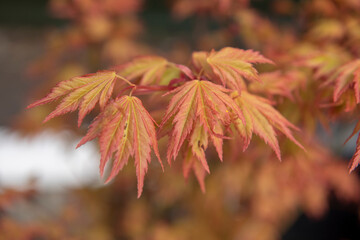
<point x="149" y="68"/>
<point x="261" y="118"/>
<point x="355" y="160"/>
<point x="231" y="65"/>
<point x="324" y="62"/>
<point x="347" y="76"/>
<point x="201" y="65"/>
<point x="80" y="92"/>
<point x="328" y="29"/>
<point x="191" y="162"/>
<point x="198" y="109"/>
<point x="124" y="129"/>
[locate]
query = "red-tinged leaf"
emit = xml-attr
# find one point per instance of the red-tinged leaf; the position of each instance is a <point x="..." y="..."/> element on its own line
<point x="125" y="129"/>
<point x="348" y="76"/>
<point x="114" y="136"/>
<point x="199" y="142"/>
<point x="231" y="65"/>
<point x="184" y="69"/>
<point x="198" y="109"/>
<point x="245" y="127"/>
<point x="218" y="141"/>
<point x="192" y="163"/>
<point x="356" y="129"/>
<point x="98" y="124"/>
<point x="261" y="118"/>
<point x="80" y="93"/>
<point x="149" y="69"/>
<point x="355" y="160"/>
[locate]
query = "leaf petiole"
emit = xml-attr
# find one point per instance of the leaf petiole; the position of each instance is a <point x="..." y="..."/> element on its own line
<point x="125" y="80"/>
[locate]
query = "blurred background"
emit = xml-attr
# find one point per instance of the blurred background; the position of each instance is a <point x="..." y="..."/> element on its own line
<point x="50" y="190"/>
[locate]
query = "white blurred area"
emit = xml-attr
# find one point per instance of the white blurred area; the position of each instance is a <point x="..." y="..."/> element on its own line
<point x="49" y="159"/>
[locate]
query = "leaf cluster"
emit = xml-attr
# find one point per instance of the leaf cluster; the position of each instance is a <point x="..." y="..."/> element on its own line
<point x="210" y="102"/>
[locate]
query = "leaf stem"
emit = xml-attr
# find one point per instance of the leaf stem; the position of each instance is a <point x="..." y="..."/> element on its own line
<point x="125" y="80"/>
<point x="132" y="90"/>
<point x="140" y="89"/>
<point x="200" y="73"/>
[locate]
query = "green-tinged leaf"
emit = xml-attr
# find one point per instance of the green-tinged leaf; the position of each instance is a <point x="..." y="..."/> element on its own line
<point x="262" y="119"/>
<point x="169" y="74"/>
<point x="232" y="65"/>
<point x="324" y="62"/>
<point x="80" y="93"/>
<point x="328" y="29"/>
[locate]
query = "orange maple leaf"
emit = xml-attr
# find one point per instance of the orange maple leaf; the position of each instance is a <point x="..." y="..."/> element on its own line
<point x="199" y="109"/>
<point x="80" y="92"/>
<point x="192" y="163"/>
<point x="124" y="129"/>
<point x="232" y="65"/>
<point x="355" y="160"/>
<point x="324" y="62"/>
<point x="347" y="76"/>
<point x="261" y="118"/>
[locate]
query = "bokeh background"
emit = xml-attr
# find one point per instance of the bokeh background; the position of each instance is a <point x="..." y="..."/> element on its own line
<point x="49" y="190"/>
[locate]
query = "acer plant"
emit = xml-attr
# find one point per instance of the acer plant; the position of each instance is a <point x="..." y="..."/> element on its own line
<point x="219" y="97"/>
<point x="209" y="101"/>
<point x="214" y="111"/>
